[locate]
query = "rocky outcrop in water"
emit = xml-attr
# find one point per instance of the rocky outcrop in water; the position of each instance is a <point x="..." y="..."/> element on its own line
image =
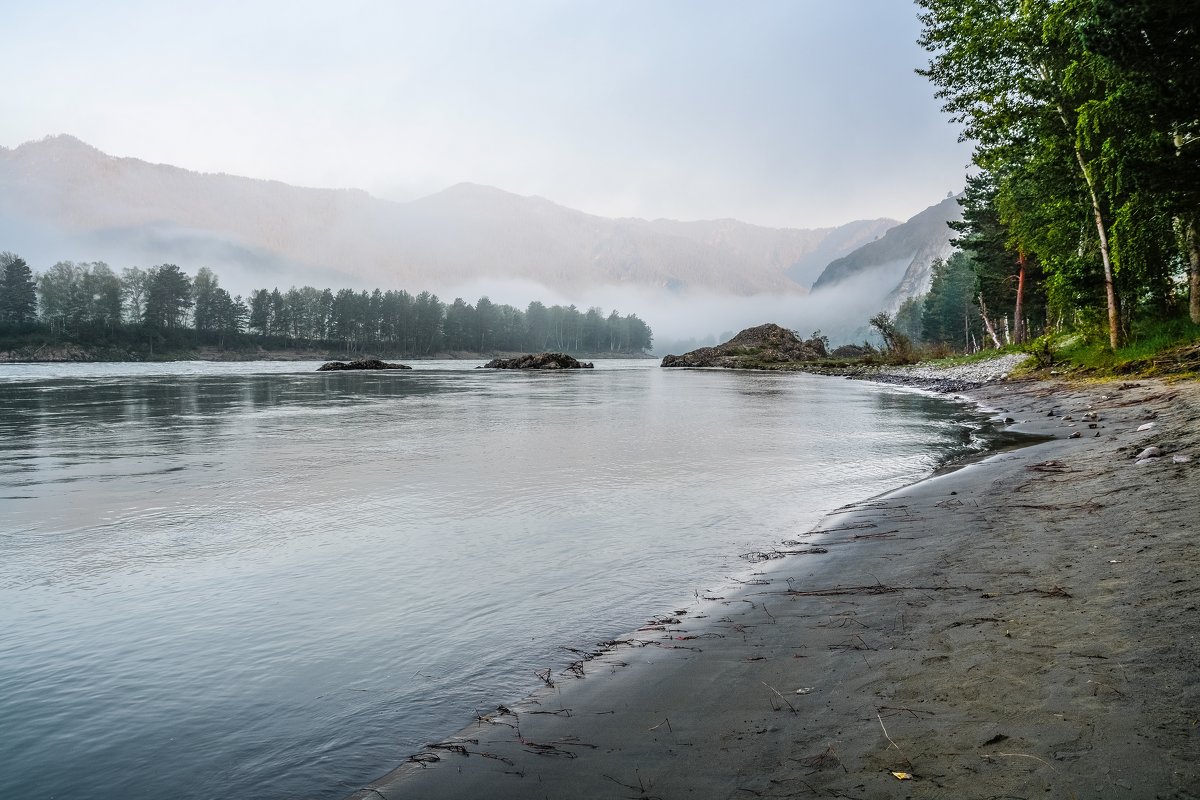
<point x="362" y="363"/>
<point x="538" y="361"/>
<point x="767" y="346"/>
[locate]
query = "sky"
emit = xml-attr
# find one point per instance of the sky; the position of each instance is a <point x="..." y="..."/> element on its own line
<point x="789" y="113"/>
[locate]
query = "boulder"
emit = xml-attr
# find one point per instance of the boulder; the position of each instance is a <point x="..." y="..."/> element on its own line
<point x="767" y="346"/>
<point x="538" y="361"/>
<point x="362" y="363"/>
<point x="851" y="351"/>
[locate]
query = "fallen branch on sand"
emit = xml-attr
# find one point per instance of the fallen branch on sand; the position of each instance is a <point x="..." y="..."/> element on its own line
<point x="781" y="697"/>
<point x="907" y="763"/>
<point x="876" y="588"/>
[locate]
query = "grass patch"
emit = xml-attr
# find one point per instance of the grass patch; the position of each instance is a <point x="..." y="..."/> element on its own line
<point x="1169" y="347"/>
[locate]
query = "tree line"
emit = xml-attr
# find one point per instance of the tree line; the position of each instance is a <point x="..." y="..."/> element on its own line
<point x="1083" y="211"/>
<point x="86" y="302"/>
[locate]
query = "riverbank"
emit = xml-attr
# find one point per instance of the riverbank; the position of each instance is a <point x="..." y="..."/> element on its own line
<point x="1023" y="626"/>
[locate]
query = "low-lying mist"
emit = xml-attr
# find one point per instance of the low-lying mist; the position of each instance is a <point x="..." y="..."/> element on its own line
<point x="680" y="319"/>
<point x="685" y="320"/>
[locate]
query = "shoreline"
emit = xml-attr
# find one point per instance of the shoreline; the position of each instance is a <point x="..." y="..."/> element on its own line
<point x="1022" y="624"/>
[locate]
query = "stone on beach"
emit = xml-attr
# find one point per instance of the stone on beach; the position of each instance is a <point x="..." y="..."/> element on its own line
<point x="1150" y="452"/>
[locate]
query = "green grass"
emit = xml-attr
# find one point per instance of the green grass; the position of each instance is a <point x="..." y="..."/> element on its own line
<point x="1163" y="347"/>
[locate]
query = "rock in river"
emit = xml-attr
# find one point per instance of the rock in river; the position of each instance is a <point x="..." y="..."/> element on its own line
<point x="768" y="346"/>
<point x="362" y="363"/>
<point x="538" y="361"/>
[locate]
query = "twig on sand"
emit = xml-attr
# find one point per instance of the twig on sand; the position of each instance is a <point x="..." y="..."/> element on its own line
<point x="903" y="710"/>
<point x="828" y="758"/>
<point x="751" y="582"/>
<point x="879" y="717"/>
<point x="640" y="788"/>
<point x="876" y="588"/>
<point x="502" y="759"/>
<point x="781" y="697"/>
<point x="424" y="758"/>
<point x="1053" y="591"/>
<point x="666" y="721"/>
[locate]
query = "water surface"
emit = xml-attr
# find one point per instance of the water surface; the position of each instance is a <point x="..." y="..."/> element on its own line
<point x="232" y="580"/>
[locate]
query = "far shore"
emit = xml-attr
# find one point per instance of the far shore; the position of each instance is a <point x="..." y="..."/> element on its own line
<point x="1024" y="626"/>
<point x="69" y="354"/>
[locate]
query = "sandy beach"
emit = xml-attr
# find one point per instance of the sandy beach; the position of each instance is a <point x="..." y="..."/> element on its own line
<point x="1024" y="626"/>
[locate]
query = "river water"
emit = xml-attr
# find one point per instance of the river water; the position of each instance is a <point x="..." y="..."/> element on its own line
<point x="236" y="580"/>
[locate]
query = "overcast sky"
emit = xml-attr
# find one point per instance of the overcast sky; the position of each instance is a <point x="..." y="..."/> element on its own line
<point x="797" y="113"/>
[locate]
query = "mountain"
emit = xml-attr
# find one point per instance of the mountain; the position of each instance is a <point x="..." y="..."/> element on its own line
<point x="64" y="199"/>
<point x="901" y="258"/>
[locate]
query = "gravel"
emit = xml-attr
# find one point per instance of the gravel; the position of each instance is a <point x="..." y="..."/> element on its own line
<point x="956" y="378"/>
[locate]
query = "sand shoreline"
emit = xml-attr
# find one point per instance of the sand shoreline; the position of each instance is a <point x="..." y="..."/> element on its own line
<point x="1024" y="626"/>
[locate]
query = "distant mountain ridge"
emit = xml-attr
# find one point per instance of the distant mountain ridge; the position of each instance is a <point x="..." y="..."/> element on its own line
<point x="61" y="189"/>
<point x="902" y="257"/>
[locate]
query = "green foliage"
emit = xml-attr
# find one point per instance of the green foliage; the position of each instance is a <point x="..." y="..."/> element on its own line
<point x="897" y="346"/>
<point x="18" y="292"/>
<point x="80" y="297"/>
<point x="908" y="319"/>
<point x="950" y="314"/>
<point x="168" y="298"/>
<point x="1086" y="130"/>
<point x="1149" y="350"/>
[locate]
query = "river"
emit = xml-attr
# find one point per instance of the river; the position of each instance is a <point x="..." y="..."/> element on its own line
<point x="256" y="580"/>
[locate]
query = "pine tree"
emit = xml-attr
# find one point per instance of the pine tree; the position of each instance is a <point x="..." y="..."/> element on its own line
<point x="18" y="291"/>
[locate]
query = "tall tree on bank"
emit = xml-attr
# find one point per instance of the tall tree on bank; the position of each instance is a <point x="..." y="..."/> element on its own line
<point x="168" y="297"/>
<point x="1154" y="48"/>
<point x="18" y="291"/>
<point x="1012" y="74"/>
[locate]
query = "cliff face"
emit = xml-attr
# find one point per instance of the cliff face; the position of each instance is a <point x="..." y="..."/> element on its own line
<point x="911" y="247"/>
<point x="767" y="346"/>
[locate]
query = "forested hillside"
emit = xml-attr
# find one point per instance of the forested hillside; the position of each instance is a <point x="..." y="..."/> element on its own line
<point x="163" y="308"/>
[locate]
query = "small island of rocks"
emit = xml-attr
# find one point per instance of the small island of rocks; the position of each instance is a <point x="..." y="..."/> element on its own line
<point x="538" y="361"/>
<point x="362" y="363"/>
<point x="767" y="346"/>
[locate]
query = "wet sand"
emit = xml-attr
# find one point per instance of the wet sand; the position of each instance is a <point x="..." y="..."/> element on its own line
<point x="1025" y="626"/>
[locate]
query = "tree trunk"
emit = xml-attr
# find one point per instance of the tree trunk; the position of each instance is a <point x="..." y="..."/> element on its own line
<point x="1193" y="245"/>
<point x="1110" y="289"/>
<point x="987" y="323"/>
<point x="1019" y="309"/>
